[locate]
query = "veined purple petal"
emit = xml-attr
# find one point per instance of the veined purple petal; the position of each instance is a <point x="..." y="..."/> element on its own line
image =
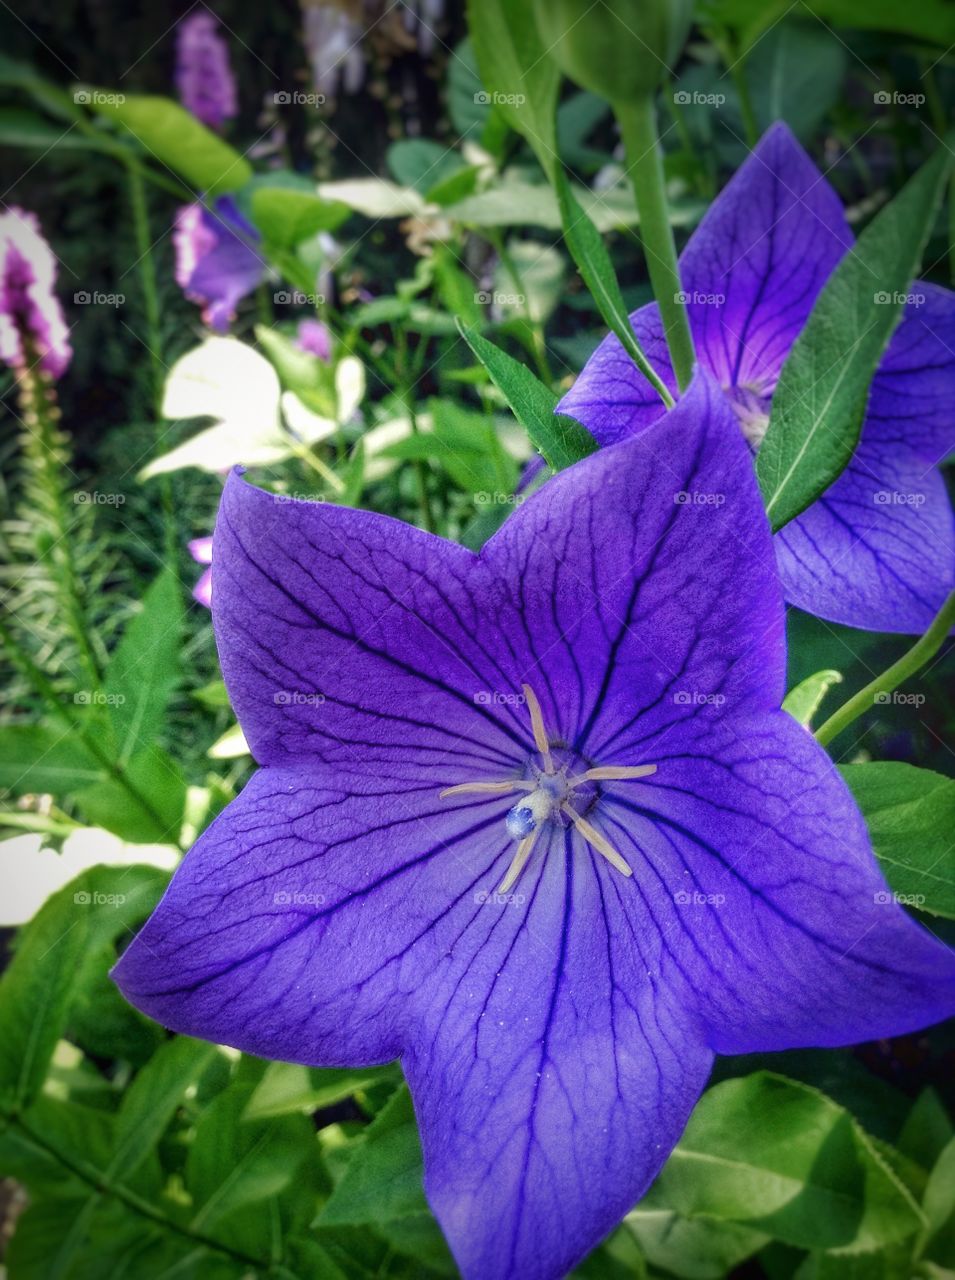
<point x="777" y="921"/>
<point x="877" y="550"/>
<point x="910" y="403"/>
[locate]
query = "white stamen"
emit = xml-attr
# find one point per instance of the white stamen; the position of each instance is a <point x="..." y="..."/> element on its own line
<point x="537" y="723"/>
<point x="519" y="860"/>
<point x="599" y="842"/>
<point x="492" y="788"/>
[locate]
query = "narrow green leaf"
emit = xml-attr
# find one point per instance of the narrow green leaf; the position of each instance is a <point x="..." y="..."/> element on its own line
<point x="804" y="700"/>
<point x="151" y="1100"/>
<point x="521" y="80"/>
<point x="44" y="758"/>
<point x="174" y="137"/>
<point x="593" y="262"/>
<point x="150" y="810"/>
<point x="910" y="814"/>
<point x="819" y="402"/>
<point x="289" y="1089"/>
<point x="561" y="440"/>
<point x="145" y="667"/>
<point x="779" y="1157"/>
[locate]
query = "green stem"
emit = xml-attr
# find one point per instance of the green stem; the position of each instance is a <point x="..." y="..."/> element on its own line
<point x="537" y="344"/>
<point x="921" y="652"/>
<point x="638" y="127"/>
<point x="407" y="392"/>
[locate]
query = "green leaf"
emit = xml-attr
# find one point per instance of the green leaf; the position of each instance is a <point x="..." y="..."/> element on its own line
<point x="530" y="282"/>
<point x="939" y="1206"/>
<point x="469" y="103"/>
<point x="20" y="128"/>
<point x="926" y="1130"/>
<point x="145" y="667"/>
<point x="561" y="440"/>
<point x="515" y="67"/>
<point x="287" y="217"/>
<point x="148" y="811"/>
<point x="151" y="1100"/>
<point x="691" y="1246"/>
<point x="593" y="262"/>
<point x="804" y="700"/>
<point x="795" y="74"/>
<point x="819" y="402"/>
<point x="383" y="1177"/>
<point x="779" y="1157"/>
<point x="39" y="758"/>
<point x="38" y="986"/>
<point x="289" y="1089"/>
<point x="910" y="814"/>
<point x="173" y="136"/>
<point x="421" y="163"/>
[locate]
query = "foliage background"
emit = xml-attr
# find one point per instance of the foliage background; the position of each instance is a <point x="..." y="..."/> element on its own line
<point x="132" y="1153"/>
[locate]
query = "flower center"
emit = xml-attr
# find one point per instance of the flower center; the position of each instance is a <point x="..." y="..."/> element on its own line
<point x="562" y="788"/>
<point x="751" y="406"/>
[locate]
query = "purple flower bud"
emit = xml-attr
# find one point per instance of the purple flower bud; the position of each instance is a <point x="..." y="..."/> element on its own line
<point x="31" y="318"/>
<point x="204" y="78"/>
<point x="314" y="338"/>
<point x="201" y="551"/>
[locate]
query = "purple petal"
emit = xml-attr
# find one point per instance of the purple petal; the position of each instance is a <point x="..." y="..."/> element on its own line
<point x="204" y="78"/>
<point x="653" y="585"/>
<point x="750" y="273"/>
<point x="757" y="261"/>
<point x="201" y="550"/>
<point x="877" y="550"/>
<point x="217" y="262"/>
<point x="315" y="338"/>
<point x="910" y="404"/>
<point x="611" y="397"/>
<point x="775" y="916"/>
<point x="30" y="311"/>
<point x="202" y="591"/>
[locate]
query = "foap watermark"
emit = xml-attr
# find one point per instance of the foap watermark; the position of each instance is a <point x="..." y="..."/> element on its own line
<point x="686" y="98"/>
<point x="495" y="698"/>
<point x="899" y="699"/>
<point x="97" y="498"/>
<point x="898" y="498"/>
<point x="485" y="499"/>
<point x="87" y="298"/>
<point x="296" y="98"/>
<point x="883" y="98"/>
<point x="498" y="298"/>
<point x="96" y="98"/>
<point x="885" y="898"/>
<point x="83" y="898"/>
<point x="693" y="498"/>
<point x="694" y="698"/>
<point x="695" y="298"/>
<point x="898" y="299"/>
<point x="484" y="99"/>
<point x="297" y="898"/>
<point x="500" y="899"/>
<point x="693" y="898"/>
<point x="97" y="698"/>
<point x="296" y="698"/>
<point x="295" y="298"/>
<point x="298" y="497"/>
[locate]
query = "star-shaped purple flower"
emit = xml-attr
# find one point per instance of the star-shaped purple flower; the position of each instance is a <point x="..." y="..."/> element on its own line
<point x="532" y="821"/>
<point x="877" y="550"/>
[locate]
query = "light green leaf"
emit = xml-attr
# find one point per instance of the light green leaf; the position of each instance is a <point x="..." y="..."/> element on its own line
<point x="144" y="669"/>
<point x="819" y="402"/>
<point x="149" y="813"/>
<point x="523" y="81"/>
<point x="779" y="1157"/>
<point x="375" y="197"/>
<point x="692" y="1247"/>
<point x="173" y="136"/>
<point x="289" y="1089"/>
<point x="40" y="758"/>
<point x="422" y="164"/>
<point x="383" y="1177"/>
<point x="910" y="814"/>
<point x="531" y="282"/>
<point x="561" y="440"/>
<point x="286" y="217"/>
<point x="804" y="700"/>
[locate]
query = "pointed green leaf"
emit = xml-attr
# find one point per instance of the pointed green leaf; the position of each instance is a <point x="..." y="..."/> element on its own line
<point x="819" y="402"/>
<point x="561" y="440"/>
<point x="804" y="700"/>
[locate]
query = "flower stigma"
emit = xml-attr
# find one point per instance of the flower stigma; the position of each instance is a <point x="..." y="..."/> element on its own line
<point x="556" y="790"/>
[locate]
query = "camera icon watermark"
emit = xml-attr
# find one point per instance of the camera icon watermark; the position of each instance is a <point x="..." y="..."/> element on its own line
<point x="899" y="699"/>
<point x="296" y="898"/>
<point x="96" y="498"/>
<point x="86" y="298"/>
<point x="693" y="498"/>
<point x="97" y="698"/>
<point x="484" y="99"/>
<point x="885" y="898"/>
<point x="498" y="298"/>
<point x="883" y="98"/>
<point x="694" y="698"/>
<point x="897" y="299"/>
<point x="296" y="98"/>
<point x="898" y="498"/>
<point x="500" y="899"/>
<point x="83" y="898"/>
<point x="693" y="898"/>
<point x="684" y="98"/>
<point x="96" y="98"/>
<point x="697" y="299"/>
<point x="296" y="698"/>
<point x="495" y="698"/>
<point x="295" y="298"/>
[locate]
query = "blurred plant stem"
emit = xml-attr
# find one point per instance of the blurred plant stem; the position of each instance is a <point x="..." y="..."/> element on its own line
<point x="147" y="275"/>
<point x="45" y="454"/>
<point x="920" y="653"/>
<point x="538" y="346"/>
<point x="644" y="158"/>
<point x="408" y="381"/>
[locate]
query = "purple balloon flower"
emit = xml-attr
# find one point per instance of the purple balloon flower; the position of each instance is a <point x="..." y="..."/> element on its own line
<point x="532" y="821"/>
<point x="877" y="550"/>
<point x="204" y="78"/>
<point x="217" y="259"/>
<point x="32" y="327"/>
